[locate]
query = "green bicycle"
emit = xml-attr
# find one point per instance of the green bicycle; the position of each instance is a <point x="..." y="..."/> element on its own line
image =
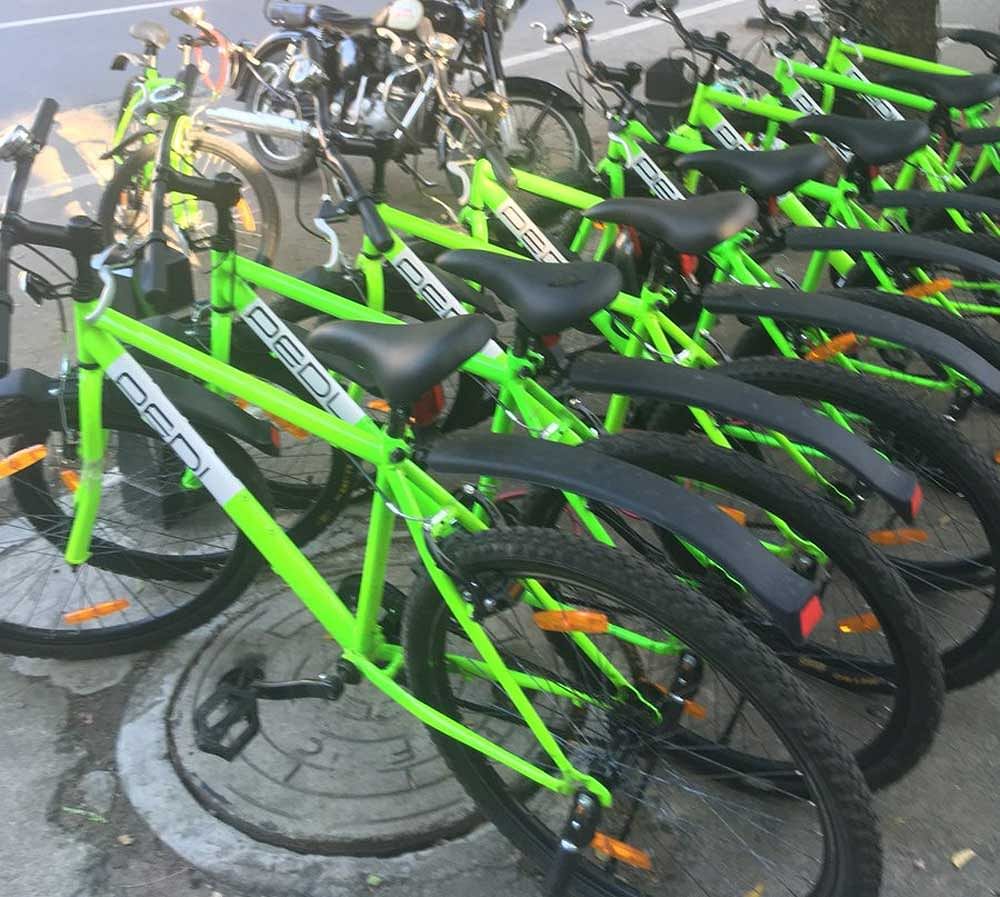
<point x="564" y="682"/>
<point x="124" y="211"/>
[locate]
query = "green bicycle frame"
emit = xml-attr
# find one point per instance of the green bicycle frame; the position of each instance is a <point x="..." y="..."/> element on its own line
<point x="401" y="487"/>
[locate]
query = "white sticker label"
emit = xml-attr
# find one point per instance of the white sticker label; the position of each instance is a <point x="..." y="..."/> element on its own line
<point x="304" y="366"/>
<point x="162" y="416"/>
<point x="802" y="101"/>
<point x="527" y="233"/>
<point x="428" y="286"/>
<point x="883" y="108"/>
<point x="653" y="177"/>
<point x="729" y="137"/>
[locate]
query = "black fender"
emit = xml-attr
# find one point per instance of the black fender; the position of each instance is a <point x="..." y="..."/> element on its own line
<point x="139" y="135"/>
<point x="929" y="199"/>
<point x="842" y="315"/>
<point x="275" y="39"/>
<point x="715" y="392"/>
<point x="893" y="245"/>
<point x="789" y="598"/>
<point x="204" y="409"/>
<point x="560" y="99"/>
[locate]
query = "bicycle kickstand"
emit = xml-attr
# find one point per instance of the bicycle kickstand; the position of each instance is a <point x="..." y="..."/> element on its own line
<point x="578" y="832"/>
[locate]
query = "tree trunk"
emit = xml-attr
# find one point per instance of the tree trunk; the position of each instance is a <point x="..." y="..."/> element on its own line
<point x="906" y="26"/>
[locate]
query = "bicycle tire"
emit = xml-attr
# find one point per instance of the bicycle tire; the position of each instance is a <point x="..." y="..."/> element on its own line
<point x="915" y="678"/>
<point x="851" y="861"/>
<point x="961" y="466"/>
<point x="219" y="582"/>
<point x="251" y="174"/>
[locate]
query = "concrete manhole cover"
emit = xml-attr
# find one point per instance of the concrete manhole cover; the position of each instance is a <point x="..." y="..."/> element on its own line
<point x="358" y="777"/>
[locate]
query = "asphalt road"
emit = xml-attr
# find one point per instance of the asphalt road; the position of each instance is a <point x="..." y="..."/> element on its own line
<point x="78" y="39"/>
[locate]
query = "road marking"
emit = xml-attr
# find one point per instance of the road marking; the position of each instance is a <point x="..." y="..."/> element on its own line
<point x="90" y="14"/>
<point x="645" y="25"/>
<point x="85" y="180"/>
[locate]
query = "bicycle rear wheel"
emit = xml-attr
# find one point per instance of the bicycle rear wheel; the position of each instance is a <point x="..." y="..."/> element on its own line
<point x="870" y="664"/>
<point x="951" y="564"/>
<point x="700" y="794"/>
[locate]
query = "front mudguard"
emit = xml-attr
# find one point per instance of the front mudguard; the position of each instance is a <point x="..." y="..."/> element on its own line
<point x="789" y="598"/>
<point x="717" y="393"/>
<point x="842" y="316"/>
<point x="37" y="400"/>
<point x="273" y="41"/>
<point x="926" y="199"/>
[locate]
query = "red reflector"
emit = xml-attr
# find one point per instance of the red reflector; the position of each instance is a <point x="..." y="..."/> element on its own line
<point x="689" y="264"/>
<point x="772" y="206"/>
<point x="872" y="172"/>
<point x="551" y="339"/>
<point x="427" y="408"/>
<point x="810" y="615"/>
<point x="916" y="501"/>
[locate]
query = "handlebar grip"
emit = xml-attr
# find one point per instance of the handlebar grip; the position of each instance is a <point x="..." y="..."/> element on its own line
<point x="44" y="116"/>
<point x="375" y="228"/>
<point x="153" y="274"/>
<point x="501" y="169"/>
<point x="189" y="77"/>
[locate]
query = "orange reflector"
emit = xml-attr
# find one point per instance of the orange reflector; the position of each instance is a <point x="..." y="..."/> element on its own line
<point x="735" y="513"/>
<point x="866" y="622"/>
<point x="379" y="405"/>
<point x="919" y="290"/>
<point x="22" y="459"/>
<point x="287" y="426"/>
<point x="844" y="342"/>
<point x="897" y="536"/>
<point x="245" y="215"/>
<point x="104" y="609"/>
<point x="70" y="479"/>
<point x="696" y="710"/>
<point x="571" y="621"/>
<point x="619" y="850"/>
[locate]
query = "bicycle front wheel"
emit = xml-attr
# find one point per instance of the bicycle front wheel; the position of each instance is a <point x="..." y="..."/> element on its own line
<point x="164" y="557"/>
<point x="702" y="792"/>
<point x="125" y="212"/>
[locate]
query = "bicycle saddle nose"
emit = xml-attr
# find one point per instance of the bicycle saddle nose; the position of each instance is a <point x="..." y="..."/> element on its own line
<point x="404" y="361"/>
<point x="547" y="297"/>
<point x="691" y="226"/>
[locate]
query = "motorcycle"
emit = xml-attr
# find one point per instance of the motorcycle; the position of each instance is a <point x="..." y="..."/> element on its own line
<point x="383" y="101"/>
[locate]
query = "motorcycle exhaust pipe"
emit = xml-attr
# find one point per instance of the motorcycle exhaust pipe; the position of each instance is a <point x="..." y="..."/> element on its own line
<point x="262" y="123"/>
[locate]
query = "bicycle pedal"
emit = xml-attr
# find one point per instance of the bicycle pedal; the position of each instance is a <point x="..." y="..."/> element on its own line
<point x="233" y="705"/>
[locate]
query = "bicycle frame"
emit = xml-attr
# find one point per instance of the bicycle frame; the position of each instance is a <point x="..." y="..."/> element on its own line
<point x="840" y="72"/>
<point x="427" y="508"/>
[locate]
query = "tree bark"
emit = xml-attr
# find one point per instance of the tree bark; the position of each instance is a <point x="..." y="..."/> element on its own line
<point x="906" y="26"/>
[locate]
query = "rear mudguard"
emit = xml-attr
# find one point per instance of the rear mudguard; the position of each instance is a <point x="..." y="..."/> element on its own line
<point x="249" y="354"/>
<point x="892" y="245"/>
<point x="843" y="316"/>
<point x="788" y="597"/>
<point x="205" y="410"/>
<point x="925" y="199"/>
<point x="714" y="392"/>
